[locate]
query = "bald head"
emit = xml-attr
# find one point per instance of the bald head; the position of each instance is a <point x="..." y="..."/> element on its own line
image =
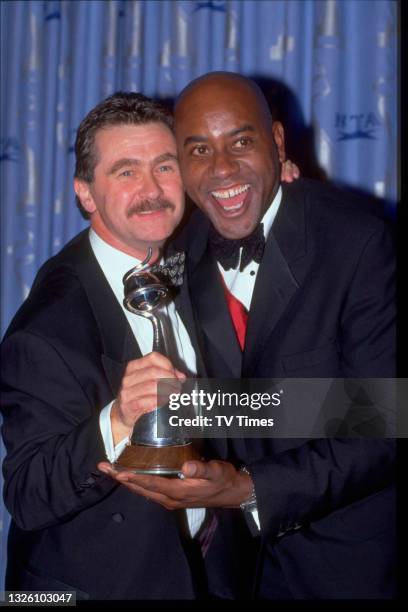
<point x="228" y="85"/>
<point x="229" y="150"/>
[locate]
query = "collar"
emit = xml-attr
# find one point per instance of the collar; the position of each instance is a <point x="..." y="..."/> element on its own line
<point x="114" y="263"/>
<point x="270" y="214"/>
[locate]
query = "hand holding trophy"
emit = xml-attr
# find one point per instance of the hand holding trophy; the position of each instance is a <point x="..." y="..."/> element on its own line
<point x="147" y="290"/>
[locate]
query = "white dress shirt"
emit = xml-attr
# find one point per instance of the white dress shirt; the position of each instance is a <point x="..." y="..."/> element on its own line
<point x="114" y="265"/>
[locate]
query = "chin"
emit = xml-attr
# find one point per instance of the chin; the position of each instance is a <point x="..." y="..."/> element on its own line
<point x="156" y="241"/>
<point x="159" y="236"/>
<point x="235" y="231"/>
<point x="232" y="234"/>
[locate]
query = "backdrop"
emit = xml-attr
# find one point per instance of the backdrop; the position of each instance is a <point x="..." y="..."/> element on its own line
<point x="330" y="67"/>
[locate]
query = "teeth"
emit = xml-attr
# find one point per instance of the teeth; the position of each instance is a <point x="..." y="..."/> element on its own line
<point x="233" y="207"/>
<point x="230" y="193"/>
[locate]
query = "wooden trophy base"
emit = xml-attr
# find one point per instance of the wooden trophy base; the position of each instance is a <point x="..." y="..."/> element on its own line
<point x="159" y="460"/>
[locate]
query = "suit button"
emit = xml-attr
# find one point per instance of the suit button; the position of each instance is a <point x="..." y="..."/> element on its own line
<point x="118" y="517"/>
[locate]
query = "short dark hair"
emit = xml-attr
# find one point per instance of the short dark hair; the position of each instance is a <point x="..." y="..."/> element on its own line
<point x="121" y="108"/>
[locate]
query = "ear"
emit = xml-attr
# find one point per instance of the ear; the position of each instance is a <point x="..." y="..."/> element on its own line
<point x="83" y="192"/>
<point x="279" y="138"/>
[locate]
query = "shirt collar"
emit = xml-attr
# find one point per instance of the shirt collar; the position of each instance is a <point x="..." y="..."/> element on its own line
<point x="271" y="212"/>
<point x="114" y="263"/>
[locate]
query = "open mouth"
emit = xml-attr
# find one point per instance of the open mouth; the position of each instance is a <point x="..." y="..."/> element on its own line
<point x="231" y="199"/>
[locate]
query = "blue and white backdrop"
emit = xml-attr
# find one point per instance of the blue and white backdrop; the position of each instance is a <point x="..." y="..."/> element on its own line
<point x="332" y="64"/>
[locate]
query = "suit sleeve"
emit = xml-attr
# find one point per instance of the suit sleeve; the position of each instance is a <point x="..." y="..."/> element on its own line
<point x="52" y="436"/>
<point x="306" y="483"/>
<point x="367" y="327"/>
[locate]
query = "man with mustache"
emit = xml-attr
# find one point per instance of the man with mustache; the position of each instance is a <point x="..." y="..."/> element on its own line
<point x="70" y="351"/>
<point x="77" y="372"/>
<point x="319" y="302"/>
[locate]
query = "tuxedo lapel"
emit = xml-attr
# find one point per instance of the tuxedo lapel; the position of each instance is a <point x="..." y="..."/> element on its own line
<point x="212" y="310"/>
<point x="185" y="311"/>
<point x="118" y="342"/>
<point x="273" y="290"/>
<point x="207" y="305"/>
<point x="276" y="282"/>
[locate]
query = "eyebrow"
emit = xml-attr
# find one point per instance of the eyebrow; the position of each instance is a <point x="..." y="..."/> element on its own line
<point x="243" y="128"/>
<point x="125" y="161"/>
<point x="131" y="161"/>
<point x="165" y="157"/>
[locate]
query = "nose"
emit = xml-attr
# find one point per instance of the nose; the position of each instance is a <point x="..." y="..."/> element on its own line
<point x="223" y="164"/>
<point x="150" y="187"/>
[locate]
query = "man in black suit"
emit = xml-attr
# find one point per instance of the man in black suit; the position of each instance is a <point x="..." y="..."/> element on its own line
<point x="320" y="301"/>
<point x="77" y="371"/>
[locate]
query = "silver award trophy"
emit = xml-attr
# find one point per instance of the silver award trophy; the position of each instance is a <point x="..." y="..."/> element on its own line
<point x="146" y="292"/>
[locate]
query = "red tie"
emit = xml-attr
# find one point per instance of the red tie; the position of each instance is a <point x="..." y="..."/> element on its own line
<point x="239" y="314"/>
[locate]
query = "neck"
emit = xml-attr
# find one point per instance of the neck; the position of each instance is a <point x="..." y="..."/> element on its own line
<point x="137" y="251"/>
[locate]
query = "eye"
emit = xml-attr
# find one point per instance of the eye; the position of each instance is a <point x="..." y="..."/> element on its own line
<point x="125" y="173"/>
<point x="243" y="141"/>
<point x="164" y="169"/>
<point x="200" y="149"/>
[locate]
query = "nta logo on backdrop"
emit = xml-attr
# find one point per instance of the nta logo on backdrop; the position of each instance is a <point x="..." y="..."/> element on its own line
<point x="357" y="125"/>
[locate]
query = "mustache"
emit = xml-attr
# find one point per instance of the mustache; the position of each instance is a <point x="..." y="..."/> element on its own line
<point x="149" y="205"/>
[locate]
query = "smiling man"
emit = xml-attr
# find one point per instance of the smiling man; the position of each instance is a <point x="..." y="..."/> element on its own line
<point x="314" y="278"/>
<point x="230" y="158"/>
<point x="135" y="197"/>
<point x="77" y="371"/>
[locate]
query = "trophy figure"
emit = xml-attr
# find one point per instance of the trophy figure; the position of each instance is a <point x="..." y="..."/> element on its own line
<point x="146" y="292"/>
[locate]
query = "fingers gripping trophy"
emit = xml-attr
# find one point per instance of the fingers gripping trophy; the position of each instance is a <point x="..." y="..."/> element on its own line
<point x="146" y="291"/>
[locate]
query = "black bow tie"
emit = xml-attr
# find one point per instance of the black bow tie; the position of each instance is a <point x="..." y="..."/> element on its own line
<point x="172" y="269"/>
<point x="227" y="251"/>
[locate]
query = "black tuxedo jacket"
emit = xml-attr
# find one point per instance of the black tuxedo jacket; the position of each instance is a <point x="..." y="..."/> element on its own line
<point x="323" y="306"/>
<point x="72" y="527"/>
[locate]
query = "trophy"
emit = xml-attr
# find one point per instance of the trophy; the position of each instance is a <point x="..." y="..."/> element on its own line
<point x="147" y="290"/>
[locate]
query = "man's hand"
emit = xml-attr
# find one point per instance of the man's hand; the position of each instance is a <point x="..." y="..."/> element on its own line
<point x="138" y="391"/>
<point x="216" y="484"/>
<point x="289" y="172"/>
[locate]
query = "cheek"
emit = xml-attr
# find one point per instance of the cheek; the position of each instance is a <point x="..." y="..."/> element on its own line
<point x="190" y="171"/>
<point x="265" y="173"/>
<point x="119" y="193"/>
<point x="174" y="188"/>
<point x="194" y="181"/>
